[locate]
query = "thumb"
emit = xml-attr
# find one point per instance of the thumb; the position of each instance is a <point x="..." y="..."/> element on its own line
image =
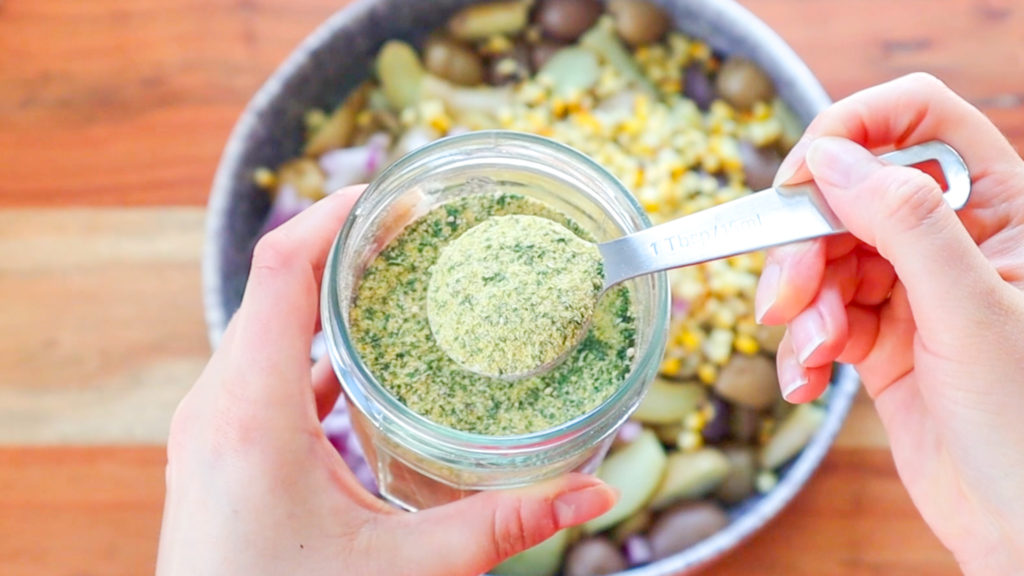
<point x="901" y="212"/>
<point x="474" y="534"/>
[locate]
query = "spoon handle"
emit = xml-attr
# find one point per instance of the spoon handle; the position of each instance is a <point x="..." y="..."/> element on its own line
<point x="760" y="220"/>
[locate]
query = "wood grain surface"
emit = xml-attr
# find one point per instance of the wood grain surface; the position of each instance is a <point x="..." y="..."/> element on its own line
<point x="96" y="511"/>
<point x="151" y="88"/>
<point x="113" y="114"/>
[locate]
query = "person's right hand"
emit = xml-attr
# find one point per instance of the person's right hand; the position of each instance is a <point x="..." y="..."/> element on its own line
<point x="927" y="305"/>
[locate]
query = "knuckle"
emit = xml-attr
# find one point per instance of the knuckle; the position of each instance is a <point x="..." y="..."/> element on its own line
<point x="925" y="81"/>
<point x="520" y="524"/>
<point x="181" y="425"/>
<point x="271" y="253"/>
<point x="910" y="198"/>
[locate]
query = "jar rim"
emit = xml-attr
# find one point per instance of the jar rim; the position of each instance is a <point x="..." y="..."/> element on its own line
<point x="338" y="338"/>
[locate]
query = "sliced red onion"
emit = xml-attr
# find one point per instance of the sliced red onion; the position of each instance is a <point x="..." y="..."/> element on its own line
<point x="287" y="203"/>
<point x="377" y="155"/>
<point x="345" y="167"/>
<point x="356" y="164"/>
<point x="630" y="431"/>
<point x="638" y="550"/>
<point x="680" y="307"/>
<point x="345" y="161"/>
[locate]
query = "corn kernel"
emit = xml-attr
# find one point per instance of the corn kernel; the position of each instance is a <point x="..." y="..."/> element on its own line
<point x="761" y="111"/>
<point x="638" y="178"/>
<point x="408" y="117"/>
<point x="695" y="421"/>
<point x="710" y="162"/>
<point x="707" y="373"/>
<point x="496" y="44"/>
<point x="724" y="318"/>
<point x="656" y="74"/>
<point x="690" y="441"/>
<point x="631" y="127"/>
<point x="441" y="123"/>
<point x="671" y="366"/>
<point x="364" y="118"/>
<point x="671" y="85"/>
<point x="700" y="51"/>
<point x="766" y="431"/>
<point x="264" y="178"/>
<point x="588" y="120"/>
<point x="746" y="344"/>
<point x="718" y="346"/>
<point x="314" y="118"/>
<point x="708" y="411"/>
<point x="747" y="326"/>
<point x="559" y="107"/>
<point x="690" y="340"/>
<point x="532" y="93"/>
<point x="765" y="481"/>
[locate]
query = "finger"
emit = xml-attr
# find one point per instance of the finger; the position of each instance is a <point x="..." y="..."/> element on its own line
<point x="789" y="281"/>
<point x="472" y="535"/>
<point x="892" y="355"/>
<point x="876" y="278"/>
<point x="326" y="388"/>
<point x="902" y="213"/>
<point x="799" y="383"/>
<point x="818" y="333"/>
<point x="842" y="244"/>
<point x="906" y="111"/>
<point x="276" y="320"/>
<point x="861" y="335"/>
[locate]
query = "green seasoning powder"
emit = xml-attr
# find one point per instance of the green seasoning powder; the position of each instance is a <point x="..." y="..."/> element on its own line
<point x="391" y="332"/>
<point x="513" y="294"/>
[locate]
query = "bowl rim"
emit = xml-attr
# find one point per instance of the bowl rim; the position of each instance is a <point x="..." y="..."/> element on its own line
<point x="219" y="203"/>
<point x="845" y="383"/>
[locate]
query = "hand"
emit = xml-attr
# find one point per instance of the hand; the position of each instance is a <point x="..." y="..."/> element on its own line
<point x="253" y="485"/>
<point x="926" y="305"/>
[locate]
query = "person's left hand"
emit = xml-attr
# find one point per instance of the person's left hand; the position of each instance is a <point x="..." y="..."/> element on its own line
<point x="253" y="485"/>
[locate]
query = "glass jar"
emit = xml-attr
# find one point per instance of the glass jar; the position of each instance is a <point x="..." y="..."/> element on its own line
<point x="419" y="463"/>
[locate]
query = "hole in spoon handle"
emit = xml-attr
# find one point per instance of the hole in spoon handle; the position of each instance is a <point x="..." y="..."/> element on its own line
<point x="952" y="167"/>
<point x="934" y="157"/>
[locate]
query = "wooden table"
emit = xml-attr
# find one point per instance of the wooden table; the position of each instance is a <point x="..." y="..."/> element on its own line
<point x="112" y="117"/>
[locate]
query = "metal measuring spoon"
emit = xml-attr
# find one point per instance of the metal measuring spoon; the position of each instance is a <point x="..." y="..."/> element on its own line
<point x="771" y="217"/>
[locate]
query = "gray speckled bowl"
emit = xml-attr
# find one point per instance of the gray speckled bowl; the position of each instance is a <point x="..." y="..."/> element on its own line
<point x="336" y="57"/>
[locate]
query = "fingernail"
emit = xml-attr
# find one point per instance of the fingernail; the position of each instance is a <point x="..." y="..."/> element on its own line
<point x="791" y="163"/>
<point x="791" y="376"/>
<point x="578" y="506"/>
<point x="809" y="332"/>
<point x="767" y="290"/>
<point x="838" y="161"/>
<point x="786" y="171"/>
<point x="790" y="387"/>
